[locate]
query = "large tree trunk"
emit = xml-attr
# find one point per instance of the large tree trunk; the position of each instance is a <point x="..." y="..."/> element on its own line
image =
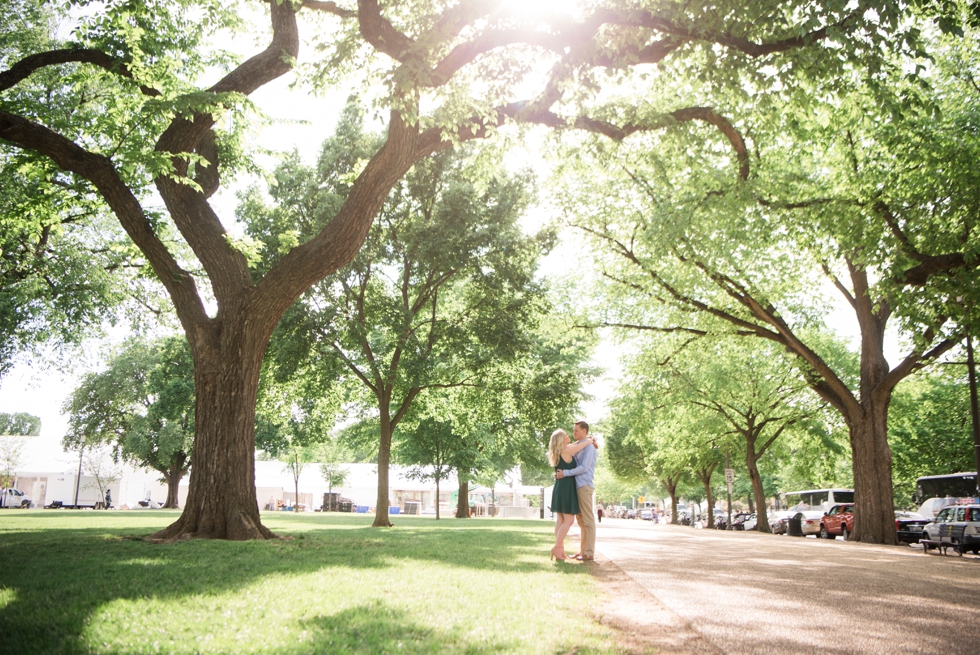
<point x="221" y="500"/>
<point x="381" y="519"/>
<point x="867" y="424"/>
<point x="874" y="507"/>
<point x="751" y="463"/>
<point x="463" y="503"/>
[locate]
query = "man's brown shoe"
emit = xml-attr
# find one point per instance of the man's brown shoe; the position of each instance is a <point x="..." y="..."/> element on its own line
<point x="576" y="556"/>
<point x="587" y="558"/>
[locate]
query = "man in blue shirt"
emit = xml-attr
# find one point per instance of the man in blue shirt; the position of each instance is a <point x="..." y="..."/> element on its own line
<point x="584" y="472"/>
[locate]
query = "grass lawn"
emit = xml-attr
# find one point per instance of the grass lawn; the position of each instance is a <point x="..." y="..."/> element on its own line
<point x="84" y="582"/>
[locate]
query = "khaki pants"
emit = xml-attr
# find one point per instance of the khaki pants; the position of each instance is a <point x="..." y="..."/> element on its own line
<point x="586" y="520"/>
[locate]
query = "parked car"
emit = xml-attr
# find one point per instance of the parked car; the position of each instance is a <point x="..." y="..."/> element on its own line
<point x="631" y="513"/>
<point x="810" y="522"/>
<point x="750" y="522"/>
<point x="839" y="520"/>
<point x="14" y="498"/>
<point x="646" y="514"/>
<point x="909" y="526"/>
<point x="738" y="520"/>
<point x="968" y="515"/>
<point x="777" y="521"/>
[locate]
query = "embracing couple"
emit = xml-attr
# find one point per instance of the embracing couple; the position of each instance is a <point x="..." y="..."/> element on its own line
<point x="572" y="496"/>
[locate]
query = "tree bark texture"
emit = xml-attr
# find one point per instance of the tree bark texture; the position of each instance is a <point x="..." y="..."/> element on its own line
<point x="463" y="502"/>
<point x="874" y="508"/>
<point x="705" y="476"/>
<point x="867" y="421"/>
<point x="381" y="519"/>
<point x="221" y="501"/>
<point x="752" y="464"/>
<point x="173" y="476"/>
<point x="670" y="484"/>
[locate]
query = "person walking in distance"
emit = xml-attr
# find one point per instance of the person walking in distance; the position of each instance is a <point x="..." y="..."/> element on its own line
<point x="584" y="472"/>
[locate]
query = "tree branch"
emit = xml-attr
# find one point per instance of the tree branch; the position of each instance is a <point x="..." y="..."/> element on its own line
<point x="840" y="286"/>
<point x="227" y="268"/>
<point x="329" y="7"/>
<point x="380" y="33"/>
<point x="99" y="171"/>
<point x="32" y="63"/>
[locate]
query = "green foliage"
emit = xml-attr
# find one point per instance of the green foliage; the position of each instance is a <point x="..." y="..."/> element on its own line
<point x="608" y="488"/>
<point x="434" y="449"/>
<point x="930" y="432"/>
<point x="142" y="405"/>
<point x="442" y="294"/>
<point x="335" y="475"/>
<point x="11" y="459"/>
<point x="685" y="403"/>
<point x="624" y="455"/>
<point x="425" y="63"/>
<point x="62" y="264"/>
<point x="333" y="455"/>
<point x="19" y="424"/>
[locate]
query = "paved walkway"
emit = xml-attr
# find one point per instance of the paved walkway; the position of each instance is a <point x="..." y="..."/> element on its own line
<point x="754" y="593"/>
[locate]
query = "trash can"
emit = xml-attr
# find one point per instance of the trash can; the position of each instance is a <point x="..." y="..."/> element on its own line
<point x="794" y="526"/>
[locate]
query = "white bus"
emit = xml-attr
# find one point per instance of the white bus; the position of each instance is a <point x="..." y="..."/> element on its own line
<point x="933" y="492"/>
<point x="817" y="499"/>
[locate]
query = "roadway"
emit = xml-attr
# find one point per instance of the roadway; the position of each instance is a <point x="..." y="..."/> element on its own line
<point x="744" y="592"/>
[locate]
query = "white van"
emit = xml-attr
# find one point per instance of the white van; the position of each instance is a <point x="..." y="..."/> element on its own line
<point x="13" y="498"/>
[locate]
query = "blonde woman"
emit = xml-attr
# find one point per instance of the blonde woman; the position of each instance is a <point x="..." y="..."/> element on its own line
<point x="564" y="500"/>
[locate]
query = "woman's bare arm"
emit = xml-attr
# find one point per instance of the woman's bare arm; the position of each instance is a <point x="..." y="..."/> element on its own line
<point x="573" y="448"/>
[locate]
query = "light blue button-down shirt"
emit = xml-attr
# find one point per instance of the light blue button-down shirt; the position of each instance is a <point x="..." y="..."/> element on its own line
<point x="585" y="469"/>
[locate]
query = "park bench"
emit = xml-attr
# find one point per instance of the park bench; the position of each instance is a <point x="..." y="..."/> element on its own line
<point x="950" y="536"/>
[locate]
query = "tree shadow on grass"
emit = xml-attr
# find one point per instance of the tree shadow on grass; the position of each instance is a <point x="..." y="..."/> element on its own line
<point x="54" y="580"/>
<point x="377" y="628"/>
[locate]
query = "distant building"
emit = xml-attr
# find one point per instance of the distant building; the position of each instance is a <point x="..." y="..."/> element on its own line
<point x="46" y="473"/>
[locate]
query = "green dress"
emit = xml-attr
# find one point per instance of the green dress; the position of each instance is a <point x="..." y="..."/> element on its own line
<point x="564" y="500"/>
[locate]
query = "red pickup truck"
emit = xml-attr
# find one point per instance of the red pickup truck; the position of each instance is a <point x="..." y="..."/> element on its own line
<point x="838" y="521"/>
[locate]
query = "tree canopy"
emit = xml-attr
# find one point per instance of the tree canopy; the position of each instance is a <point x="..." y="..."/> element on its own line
<point x="142" y="406"/>
<point x="137" y="103"/>
<point x="19" y="424"/>
<point x="833" y="198"/>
